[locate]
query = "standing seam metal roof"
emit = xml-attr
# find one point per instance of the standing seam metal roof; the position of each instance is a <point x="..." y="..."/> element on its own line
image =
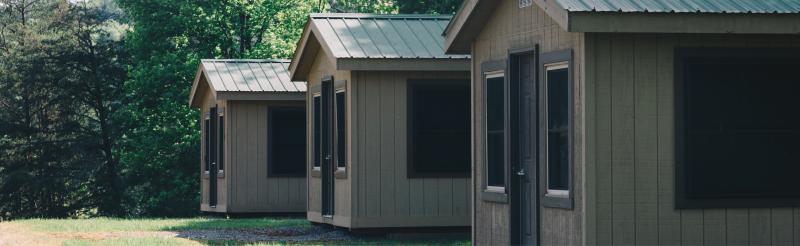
<point x="383" y="36"/>
<point x="683" y="6"/>
<point x="250" y="75"/>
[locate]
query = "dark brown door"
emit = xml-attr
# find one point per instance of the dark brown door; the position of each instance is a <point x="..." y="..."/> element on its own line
<point x="326" y="140"/>
<point x="212" y="157"/>
<point x="524" y="199"/>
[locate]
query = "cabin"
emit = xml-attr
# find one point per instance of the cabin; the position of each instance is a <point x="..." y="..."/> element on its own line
<point x="388" y="127"/>
<point x="621" y="122"/>
<point x="252" y="119"/>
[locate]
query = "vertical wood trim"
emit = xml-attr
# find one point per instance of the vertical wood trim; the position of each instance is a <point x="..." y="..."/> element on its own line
<point x="403" y="195"/>
<point x="737" y="227"/>
<point x="387" y="142"/>
<point x="646" y="140"/>
<point x="622" y="139"/>
<point x="782" y="226"/>
<point x="590" y="161"/>
<point x="760" y="226"/>
<point x="604" y="169"/>
<point x="714" y="222"/>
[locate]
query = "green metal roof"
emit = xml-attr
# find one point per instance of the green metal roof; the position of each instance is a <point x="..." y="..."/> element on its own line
<point x="683" y="6"/>
<point x="383" y="36"/>
<point x="250" y="75"/>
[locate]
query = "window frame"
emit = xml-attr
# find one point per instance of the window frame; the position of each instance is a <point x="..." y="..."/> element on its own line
<point x="221" y="141"/>
<point x="340" y="86"/>
<point x="681" y="55"/>
<point x="496" y="194"/>
<point x="206" y="144"/>
<point x="270" y="123"/>
<point x="412" y="172"/>
<point x="556" y="198"/>
<point x="316" y="119"/>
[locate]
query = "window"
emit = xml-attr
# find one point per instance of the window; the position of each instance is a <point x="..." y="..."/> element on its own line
<point x="495" y="131"/>
<point x="737" y="128"/>
<point x="207" y="149"/>
<point x="317" y="130"/>
<point x="341" y="139"/>
<point x="221" y="144"/>
<point x="556" y="113"/>
<point x="558" y="101"/>
<point x="287" y="142"/>
<point x="438" y="128"/>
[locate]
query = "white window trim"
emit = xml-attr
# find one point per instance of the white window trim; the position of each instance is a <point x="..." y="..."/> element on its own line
<point x="489" y="188"/>
<point x="497" y="189"/>
<point x="495" y="74"/>
<point x="552" y="67"/>
<point x="315" y="95"/>
<point x="337" y="91"/>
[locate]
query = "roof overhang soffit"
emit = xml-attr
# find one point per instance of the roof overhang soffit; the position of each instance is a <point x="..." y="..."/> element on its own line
<point x="307" y="48"/>
<point x="470" y="20"/>
<point x="199" y="86"/>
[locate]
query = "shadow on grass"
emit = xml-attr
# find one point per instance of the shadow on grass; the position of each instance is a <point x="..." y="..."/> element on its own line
<point x="248" y="223"/>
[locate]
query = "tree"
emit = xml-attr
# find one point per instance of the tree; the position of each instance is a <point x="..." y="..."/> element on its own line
<point x="428" y="6"/>
<point x="160" y="147"/>
<point x="58" y="76"/>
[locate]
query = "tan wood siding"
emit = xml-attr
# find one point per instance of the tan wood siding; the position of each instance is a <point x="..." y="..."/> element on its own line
<point x="631" y="131"/>
<point x="251" y="190"/>
<point x="383" y="194"/>
<point x="208" y="100"/>
<point x="323" y="66"/>
<point x="511" y="27"/>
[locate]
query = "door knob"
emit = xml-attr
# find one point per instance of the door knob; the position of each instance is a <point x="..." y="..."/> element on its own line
<point x="521" y="172"/>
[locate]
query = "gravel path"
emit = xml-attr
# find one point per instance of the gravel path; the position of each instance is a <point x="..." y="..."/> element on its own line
<point x="285" y="234"/>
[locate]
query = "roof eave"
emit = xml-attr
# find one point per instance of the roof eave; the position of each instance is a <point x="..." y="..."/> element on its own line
<point x="303" y="53"/>
<point x="403" y="64"/>
<point x="196" y="85"/>
<point x="460" y="32"/>
<point x="710" y="23"/>
<point x="299" y="52"/>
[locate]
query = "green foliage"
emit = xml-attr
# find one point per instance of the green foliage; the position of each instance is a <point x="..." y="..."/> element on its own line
<point x="61" y="73"/>
<point x="115" y="224"/>
<point x="428" y="6"/>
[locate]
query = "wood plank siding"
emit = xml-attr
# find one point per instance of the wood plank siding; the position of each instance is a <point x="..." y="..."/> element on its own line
<point x="250" y="188"/>
<point x="207" y="101"/>
<point x="631" y="138"/>
<point x="324" y="65"/>
<point x="375" y="192"/>
<point x="383" y="195"/>
<point x="511" y="27"/>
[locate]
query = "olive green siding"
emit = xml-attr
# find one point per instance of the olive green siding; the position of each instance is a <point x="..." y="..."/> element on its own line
<point x="250" y="189"/>
<point x="631" y="139"/>
<point x="383" y="195"/>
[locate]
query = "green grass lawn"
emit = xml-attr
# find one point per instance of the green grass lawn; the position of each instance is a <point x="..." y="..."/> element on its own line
<point x="111" y="231"/>
<point x="113" y="224"/>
